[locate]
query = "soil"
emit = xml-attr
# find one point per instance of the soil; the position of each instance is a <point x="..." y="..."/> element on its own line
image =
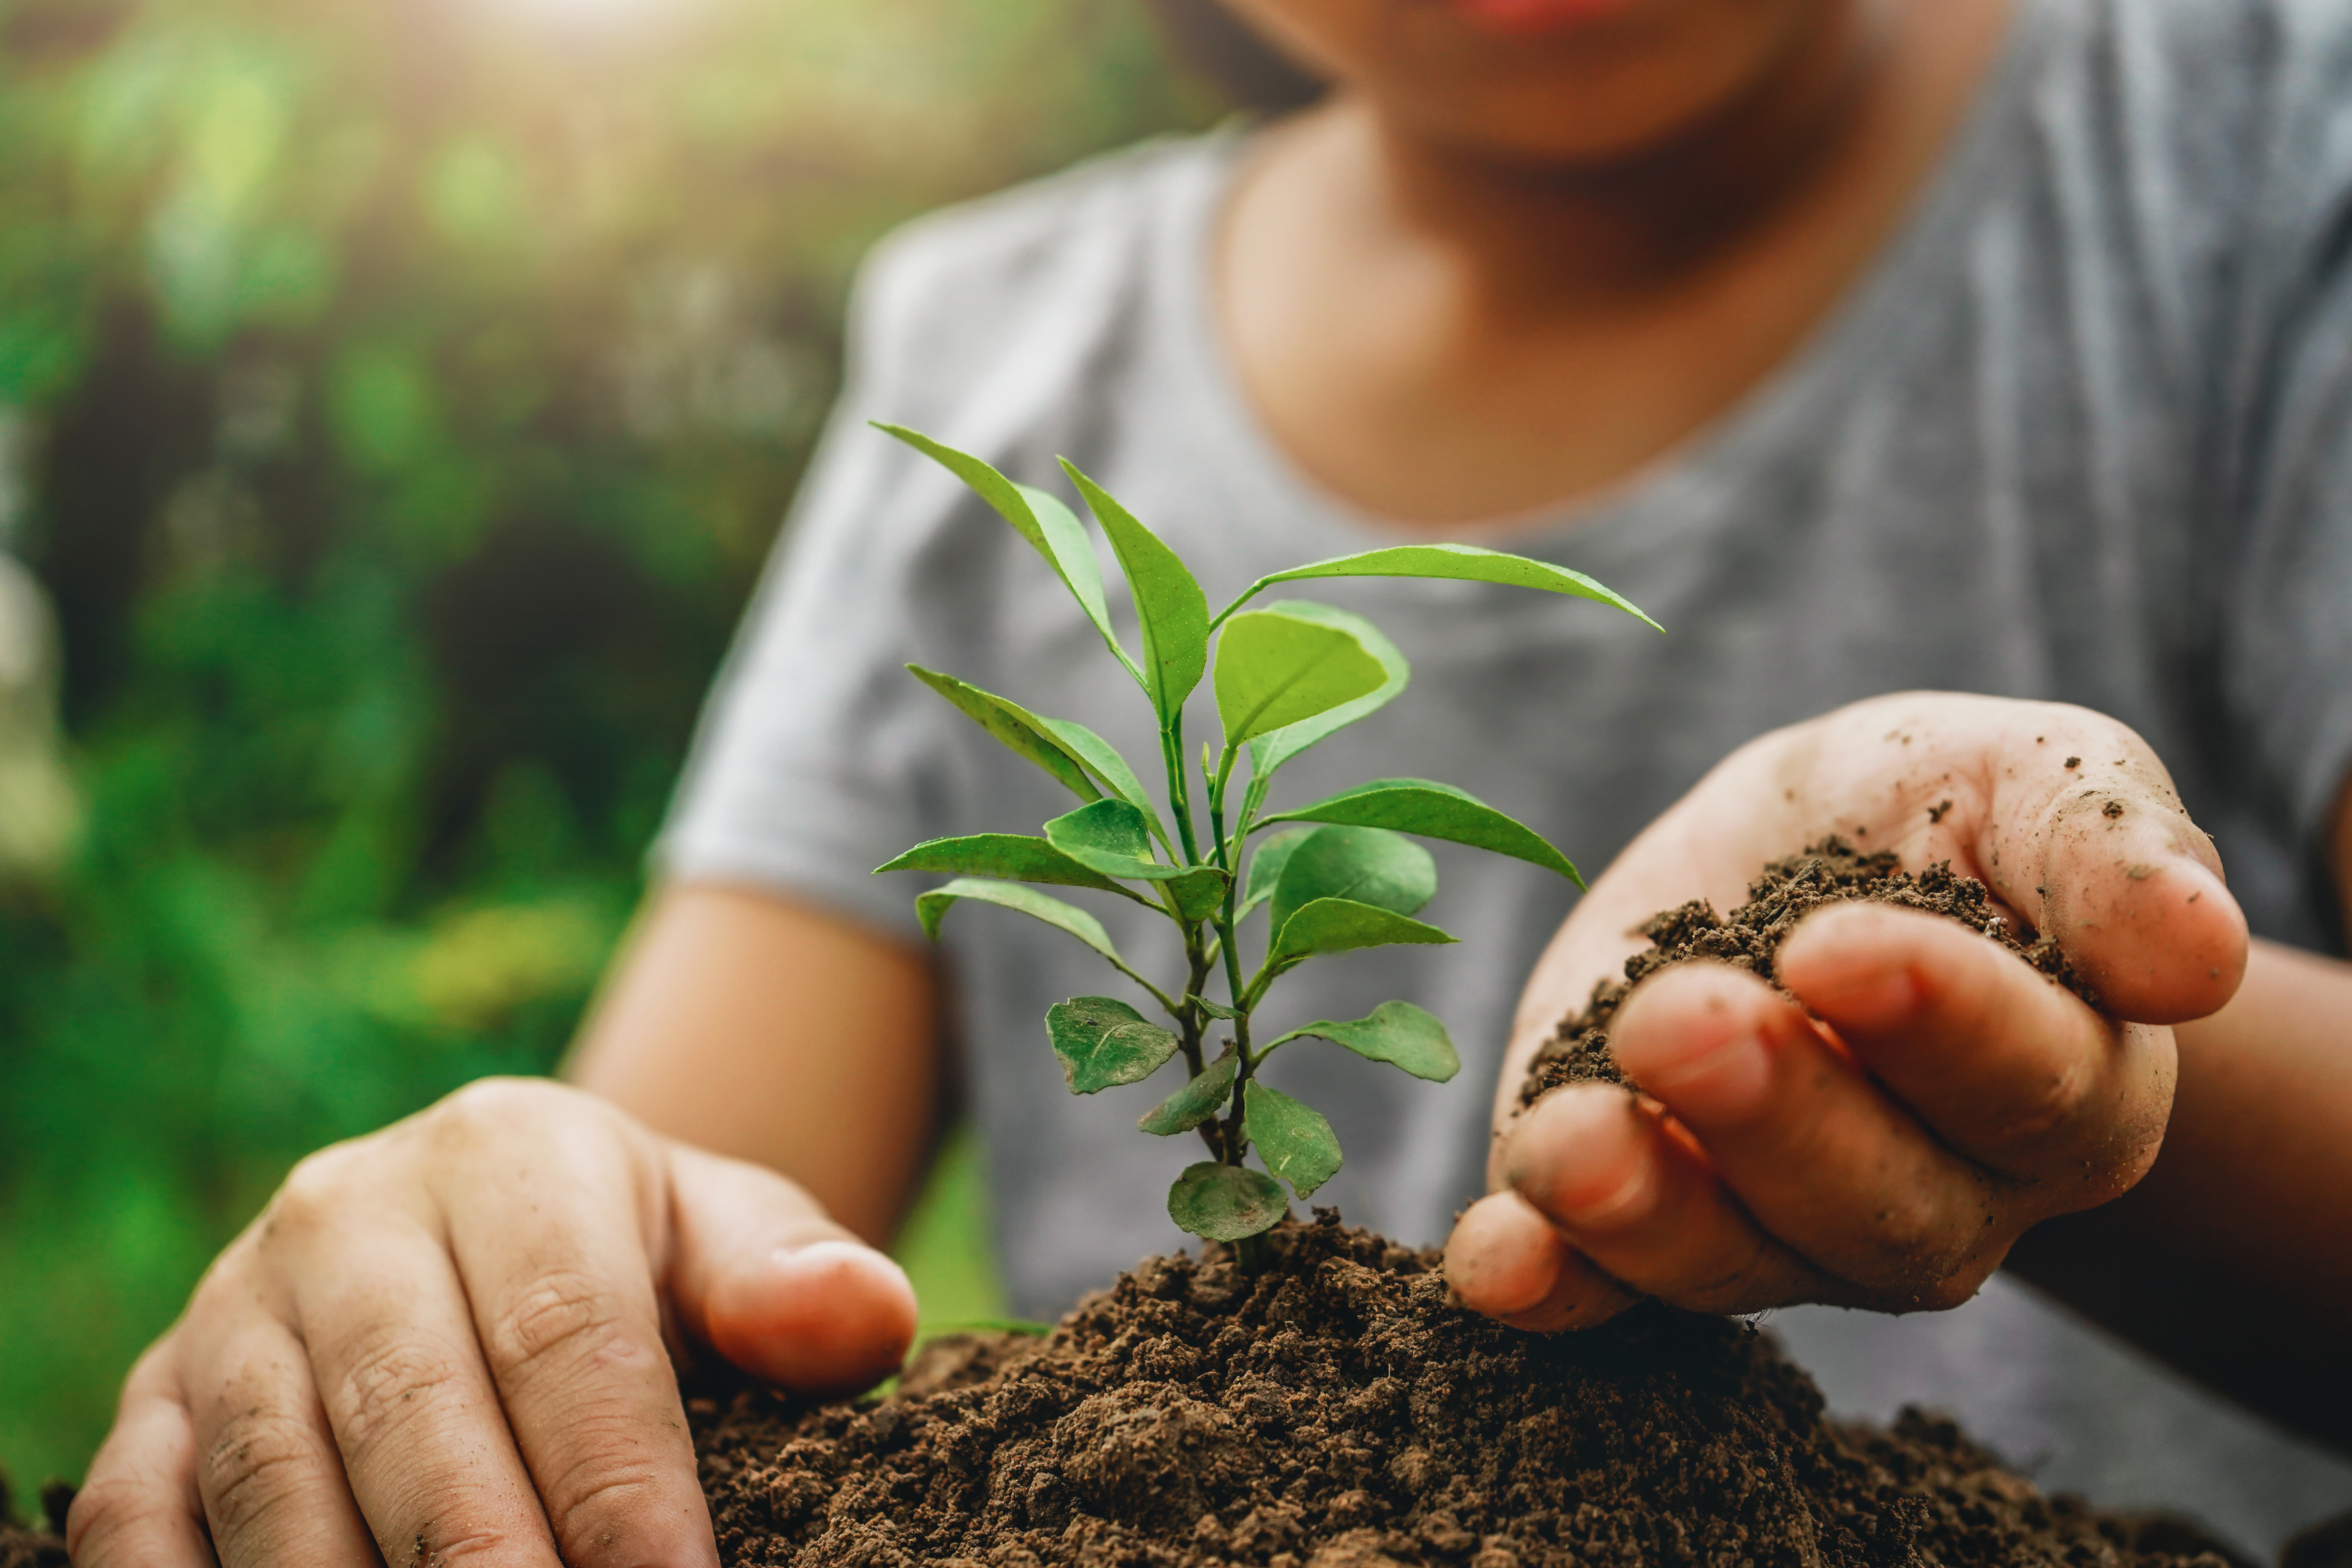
<point x="34" y="1549"/>
<point x="1831" y="871"/>
<point x="1337" y="1410"/>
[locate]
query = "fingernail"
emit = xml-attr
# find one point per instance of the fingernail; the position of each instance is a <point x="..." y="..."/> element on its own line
<point x="1724" y="1083"/>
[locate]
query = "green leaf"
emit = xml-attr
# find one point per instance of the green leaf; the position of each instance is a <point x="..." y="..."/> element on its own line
<point x="1213" y="1009"/>
<point x="1045" y="523"/>
<point x="1369" y="865"/>
<point x="1293" y="1141"/>
<point x="1019" y="729"/>
<point x="1433" y="811"/>
<point x="1269" y="752"/>
<point x="1014" y="857"/>
<point x="1195" y="1102"/>
<point x="932" y="908"/>
<point x="1103" y="1042"/>
<point x="1275" y="670"/>
<point x="1342" y="925"/>
<point x="1463" y="563"/>
<point x="1110" y="832"/>
<point x="1265" y="868"/>
<point x="1102" y="760"/>
<point x="1397" y="1032"/>
<point x="1169" y="605"/>
<point x="1198" y="892"/>
<point x="1225" y="1202"/>
<point x="1108" y="837"/>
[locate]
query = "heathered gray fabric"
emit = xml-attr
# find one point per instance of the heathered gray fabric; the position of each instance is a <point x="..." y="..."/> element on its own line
<point x="2079" y="434"/>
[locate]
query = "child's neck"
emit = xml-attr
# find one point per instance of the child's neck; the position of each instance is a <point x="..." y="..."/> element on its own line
<point x="1441" y="336"/>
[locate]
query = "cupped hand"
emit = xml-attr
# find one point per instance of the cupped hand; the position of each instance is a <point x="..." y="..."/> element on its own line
<point x="1880" y="1134"/>
<point x="452" y="1340"/>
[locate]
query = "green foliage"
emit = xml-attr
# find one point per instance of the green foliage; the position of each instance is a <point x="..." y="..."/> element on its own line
<point x="1194" y="1103"/>
<point x="1104" y="1042"/>
<point x="1023" y="731"/>
<point x="1461" y="562"/>
<point x="1285" y="675"/>
<point x="1275" y="669"/>
<point x="1169" y="606"/>
<point x="1366" y="864"/>
<point x="1295" y="1142"/>
<point x="1012" y="857"/>
<point x="1225" y="1202"/>
<point x="398" y="401"/>
<point x="1433" y="811"/>
<point x="1397" y="1032"/>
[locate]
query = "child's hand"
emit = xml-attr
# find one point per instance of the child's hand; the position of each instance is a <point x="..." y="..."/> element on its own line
<point x="1955" y="1096"/>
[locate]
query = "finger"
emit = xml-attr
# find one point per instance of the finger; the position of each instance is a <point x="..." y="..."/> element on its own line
<point x="554" y="1257"/>
<point x="2007" y="1068"/>
<point x="392" y="1350"/>
<point x="1506" y="1260"/>
<point x="266" y="1464"/>
<point x="1822" y="1159"/>
<point x="2133" y="891"/>
<point x="139" y="1506"/>
<point x="763" y="1278"/>
<point x="1644" y="1205"/>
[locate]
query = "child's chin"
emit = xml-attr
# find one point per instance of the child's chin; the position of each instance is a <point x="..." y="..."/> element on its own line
<point x="1528" y="17"/>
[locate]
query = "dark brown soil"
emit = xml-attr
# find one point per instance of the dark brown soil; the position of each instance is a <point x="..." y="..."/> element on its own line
<point x="1831" y="871"/>
<point x="29" y="1549"/>
<point x="1339" y="1412"/>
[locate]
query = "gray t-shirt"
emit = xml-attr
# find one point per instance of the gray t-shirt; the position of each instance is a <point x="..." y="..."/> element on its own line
<point x="2079" y="434"/>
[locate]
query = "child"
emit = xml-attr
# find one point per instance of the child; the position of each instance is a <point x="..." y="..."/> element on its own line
<point x="1996" y="346"/>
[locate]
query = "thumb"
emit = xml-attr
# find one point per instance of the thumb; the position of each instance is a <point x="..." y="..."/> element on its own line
<point x="764" y="1277"/>
<point x="2133" y="891"/>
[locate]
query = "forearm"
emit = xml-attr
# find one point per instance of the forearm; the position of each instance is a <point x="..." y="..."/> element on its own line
<point x="754" y="1026"/>
<point x="2230" y="1260"/>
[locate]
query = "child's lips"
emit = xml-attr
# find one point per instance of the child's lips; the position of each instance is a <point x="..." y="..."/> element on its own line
<point x="1523" y="16"/>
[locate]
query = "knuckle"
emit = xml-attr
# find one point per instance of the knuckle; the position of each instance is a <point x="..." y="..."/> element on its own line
<point x="598" y="1496"/>
<point x="391" y="1383"/>
<point x="109" y="1516"/>
<point x="257" y="1469"/>
<point x="316" y="1194"/>
<point x="493" y="1109"/>
<point x="2047" y="1108"/>
<point x="564" y="1320"/>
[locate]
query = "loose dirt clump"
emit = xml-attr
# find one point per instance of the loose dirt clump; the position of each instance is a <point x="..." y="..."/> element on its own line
<point x="31" y="1549"/>
<point x="1829" y="872"/>
<point x="1338" y="1411"/>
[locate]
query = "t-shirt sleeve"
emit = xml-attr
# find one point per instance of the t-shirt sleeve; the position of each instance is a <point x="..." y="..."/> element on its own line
<point x="2284" y="648"/>
<point x="818" y="757"/>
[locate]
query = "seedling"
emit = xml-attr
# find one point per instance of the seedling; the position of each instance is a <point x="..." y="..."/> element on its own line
<point x="1339" y="875"/>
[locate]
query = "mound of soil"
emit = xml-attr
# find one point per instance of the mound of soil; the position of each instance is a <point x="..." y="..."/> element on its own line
<point x="1337" y="1411"/>
<point x="1832" y="871"/>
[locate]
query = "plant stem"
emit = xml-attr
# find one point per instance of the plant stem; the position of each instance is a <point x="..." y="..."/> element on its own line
<point x="1254" y="1254"/>
<point x="1180" y="793"/>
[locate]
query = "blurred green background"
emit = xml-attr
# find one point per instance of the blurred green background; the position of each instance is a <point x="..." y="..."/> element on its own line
<point x="397" y="398"/>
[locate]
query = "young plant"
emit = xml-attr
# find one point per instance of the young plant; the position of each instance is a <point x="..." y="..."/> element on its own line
<point x="1341" y="874"/>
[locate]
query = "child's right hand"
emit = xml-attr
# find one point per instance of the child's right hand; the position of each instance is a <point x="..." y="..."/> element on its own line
<point x="1955" y="1098"/>
<point x="452" y="1340"/>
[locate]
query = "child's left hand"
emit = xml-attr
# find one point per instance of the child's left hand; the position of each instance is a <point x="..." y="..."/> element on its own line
<point x="1942" y="1097"/>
